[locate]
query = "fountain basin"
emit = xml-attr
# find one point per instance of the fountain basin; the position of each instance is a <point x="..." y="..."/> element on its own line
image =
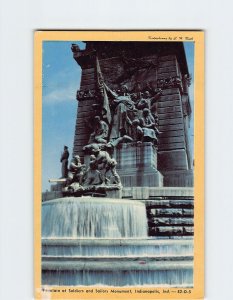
<point x="80" y="217"/>
<point x="103" y="241"/>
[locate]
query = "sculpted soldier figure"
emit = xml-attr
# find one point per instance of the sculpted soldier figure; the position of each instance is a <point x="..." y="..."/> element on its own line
<point x="149" y="128"/>
<point x="147" y="101"/>
<point x="105" y="164"/>
<point x="136" y="131"/>
<point x="64" y="162"/>
<point x="76" y="170"/>
<point x="100" y="133"/>
<point x="92" y="175"/>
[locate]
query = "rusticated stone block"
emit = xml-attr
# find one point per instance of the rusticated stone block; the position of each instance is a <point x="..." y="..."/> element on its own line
<point x="181" y="203"/>
<point x="171" y="221"/>
<point x="169" y="230"/>
<point x="182" y="221"/>
<point x="171" y="103"/>
<point x="188" y="230"/>
<point x="161" y="221"/>
<point x="178" y="178"/>
<point x="169" y="109"/>
<point x="158" y="204"/>
<point x="187" y="212"/>
<point x="175" y="159"/>
<point x="169" y="204"/>
<point x="169" y="212"/>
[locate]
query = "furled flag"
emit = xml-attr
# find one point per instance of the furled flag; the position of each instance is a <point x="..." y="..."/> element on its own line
<point x="102" y="88"/>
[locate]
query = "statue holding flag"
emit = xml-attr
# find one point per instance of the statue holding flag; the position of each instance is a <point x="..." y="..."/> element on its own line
<point x="123" y="114"/>
<point x="122" y="111"/>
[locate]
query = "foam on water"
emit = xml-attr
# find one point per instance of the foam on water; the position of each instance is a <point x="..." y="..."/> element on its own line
<point x="94" y="217"/>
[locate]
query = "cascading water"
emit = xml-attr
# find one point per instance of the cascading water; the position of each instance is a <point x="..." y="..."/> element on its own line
<point x="94" y="217"/>
<point x="103" y="241"/>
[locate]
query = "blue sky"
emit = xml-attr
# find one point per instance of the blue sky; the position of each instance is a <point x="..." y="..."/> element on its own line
<point x="61" y="79"/>
<point x="189" y="51"/>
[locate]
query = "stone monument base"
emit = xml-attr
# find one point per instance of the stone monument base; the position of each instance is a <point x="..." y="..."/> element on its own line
<point x="137" y="165"/>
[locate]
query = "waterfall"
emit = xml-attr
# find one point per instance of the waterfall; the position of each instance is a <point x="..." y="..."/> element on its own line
<point x="103" y="241"/>
<point x="94" y="217"/>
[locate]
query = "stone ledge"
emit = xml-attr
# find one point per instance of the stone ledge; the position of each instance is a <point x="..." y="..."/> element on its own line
<point x="171" y="203"/>
<point x="147" y="192"/>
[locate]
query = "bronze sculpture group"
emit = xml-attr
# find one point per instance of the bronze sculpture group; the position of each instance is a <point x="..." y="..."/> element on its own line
<point x="99" y="176"/>
<point x="131" y="114"/>
<point x="119" y="116"/>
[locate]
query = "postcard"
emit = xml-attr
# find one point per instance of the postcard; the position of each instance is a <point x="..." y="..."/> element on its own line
<point x="119" y="164"/>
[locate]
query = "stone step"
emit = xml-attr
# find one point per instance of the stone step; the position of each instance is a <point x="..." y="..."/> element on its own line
<point x="171" y="203"/>
<point x="162" y="231"/>
<point x="154" y="221"/>
<point x="173" y="212"/>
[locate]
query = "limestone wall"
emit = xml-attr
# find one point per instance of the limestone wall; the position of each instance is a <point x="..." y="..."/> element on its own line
<point x="170" y="211"/>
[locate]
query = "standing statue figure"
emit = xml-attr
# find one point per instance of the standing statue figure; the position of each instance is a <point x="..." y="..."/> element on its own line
<point x="106" y="165"/>
<point x="64" y="162"/>
<point x="147" y="101"/>
<point x="76" y="170"/>
<point x="148" y="125"/>
<point x="100" y="133"/>
<point x="123" y="111"/>
<point x="92" y="176"/>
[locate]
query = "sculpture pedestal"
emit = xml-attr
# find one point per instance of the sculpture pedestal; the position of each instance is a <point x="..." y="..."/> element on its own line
<point x="137" y="165"/>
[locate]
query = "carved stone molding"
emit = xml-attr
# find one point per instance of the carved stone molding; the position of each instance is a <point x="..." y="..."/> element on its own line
<point x="170" y="82"/>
